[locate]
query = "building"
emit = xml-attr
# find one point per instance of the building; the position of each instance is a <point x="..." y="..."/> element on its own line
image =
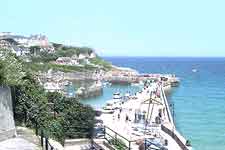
<point x="12" y="45"/>
<point x="92" y="55"/>
<point x="28" y="41"/>
<point x="67" y="61"/>
<point x="82" y="56"/>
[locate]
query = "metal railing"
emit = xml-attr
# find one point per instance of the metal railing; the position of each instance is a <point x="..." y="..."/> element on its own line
<point x="175" y="137"/>
<point x="115" y="139"/>
<point x="45" y="144"/>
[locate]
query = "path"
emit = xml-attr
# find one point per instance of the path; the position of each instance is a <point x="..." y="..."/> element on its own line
<point x="25" y="140"/>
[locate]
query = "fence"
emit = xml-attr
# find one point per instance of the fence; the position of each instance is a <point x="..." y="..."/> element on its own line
<point x="45" y="144"/>
<point x="174" y="136"/>
<point x="120" y="142"/>
<point x="117" y="140"/>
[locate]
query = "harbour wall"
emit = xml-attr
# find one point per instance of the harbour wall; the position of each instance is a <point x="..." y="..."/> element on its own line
<point x="170" y="128"/>
<point x="7" y="125"/>
<point x="90" y="92"/>
<point x="80" y="76"/>
<point x="174" y="136"/>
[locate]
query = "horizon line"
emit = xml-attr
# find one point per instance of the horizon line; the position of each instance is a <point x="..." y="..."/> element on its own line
<point x="164" y="56"/>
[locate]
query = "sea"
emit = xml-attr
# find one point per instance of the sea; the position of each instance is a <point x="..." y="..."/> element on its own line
<point x="199" y="101"/>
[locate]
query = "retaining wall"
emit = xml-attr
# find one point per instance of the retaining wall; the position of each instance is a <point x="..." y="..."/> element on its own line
<point x="7" y="124"/>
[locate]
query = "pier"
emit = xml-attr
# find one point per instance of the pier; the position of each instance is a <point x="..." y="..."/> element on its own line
<point x="142" y="120"/>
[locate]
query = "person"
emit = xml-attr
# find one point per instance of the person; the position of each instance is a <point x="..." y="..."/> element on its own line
<point x="119" y="116"/>
<point x="142" y="146"/>
<point x="127" y="118"/>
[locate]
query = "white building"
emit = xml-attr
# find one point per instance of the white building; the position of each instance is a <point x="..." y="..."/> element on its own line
<point x="82" y="56"/>
<point x="67" y="61"/>
<point x="10" y="45"/>
<point x="28" y="41"/>
<point x="92" y="55"/>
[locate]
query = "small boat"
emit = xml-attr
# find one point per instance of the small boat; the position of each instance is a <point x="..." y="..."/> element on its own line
<point x="127" y="96"/>
<point x="107" y="84"/>
<point x="135" y="84"/>
<point x="194" y="70"/>
<point x="139" y="84"/>
<point x="114" y="103"/>
<point x="117" y="96"/>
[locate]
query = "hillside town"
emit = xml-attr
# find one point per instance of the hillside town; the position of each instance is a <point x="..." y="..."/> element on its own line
<point x="20" y="45"/>
<point x="34" y="48"/>
<point x="30" y="45"/>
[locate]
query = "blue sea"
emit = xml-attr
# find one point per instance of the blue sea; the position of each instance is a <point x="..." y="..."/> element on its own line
<point x="199" y="100"/>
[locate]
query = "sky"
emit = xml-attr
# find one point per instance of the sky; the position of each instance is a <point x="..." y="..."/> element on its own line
<point x="123" y="27"/>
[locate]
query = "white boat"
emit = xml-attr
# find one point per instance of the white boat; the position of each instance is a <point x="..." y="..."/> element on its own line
<point x="106" y="84"/>
<point x="139" y="84"/>
<point x="194" y="70"/>
<point x="135" y="84"/>
<point x="114" y="103"/>
<point x="127" y="95"/>
<point x="117" y="96"/>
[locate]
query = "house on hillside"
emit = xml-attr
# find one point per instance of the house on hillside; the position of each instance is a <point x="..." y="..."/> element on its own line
<point x="92" y="55"/>
<point x="84" y="58"/>
<point x="29" y="41"/>
<point x="12" y="45"/>
<point x="67" y="61"/>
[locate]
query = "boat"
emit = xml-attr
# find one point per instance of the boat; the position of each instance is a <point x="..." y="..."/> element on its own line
<point x="117" y="96"/>
<point x="194" y="70"/>
<point x="106" y="84"/>
<point x="135" y="84"/>
<point x="114" y="103"/>
<point x="139" y="84"/>
<point x="127" y="96"/>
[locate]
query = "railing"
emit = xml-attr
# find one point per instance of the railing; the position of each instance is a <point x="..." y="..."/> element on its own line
<point x="174" y="136"/>
<point x="45" y="144"/>
<point x="167" y="106"/>
<point x="95" y="146"/>
<point x="116" y="139"/>
<point x="147" y="147"/>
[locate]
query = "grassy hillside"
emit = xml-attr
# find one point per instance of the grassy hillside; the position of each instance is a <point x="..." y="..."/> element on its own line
<point x="44" y="60"/>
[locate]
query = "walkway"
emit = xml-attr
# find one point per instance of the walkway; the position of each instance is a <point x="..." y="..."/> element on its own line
<point x="25" y="140"/>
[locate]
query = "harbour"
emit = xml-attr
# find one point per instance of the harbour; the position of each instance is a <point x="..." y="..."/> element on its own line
<point x="145" y="117"/>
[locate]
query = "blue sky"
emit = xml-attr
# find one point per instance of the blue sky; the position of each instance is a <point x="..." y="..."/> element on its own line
<point x="123" y="27"/>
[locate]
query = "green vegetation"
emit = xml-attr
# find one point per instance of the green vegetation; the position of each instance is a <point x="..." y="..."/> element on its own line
<point x="42" y="61"/>
<point x="11" y="70"/>
<point x="99" y="61"/>
<point x="34" y="50"/>
<point x="64" y="68"/>
<point x="118" y="144"/>
<point x="58" y="116"/>
<point x="44" y="56"/>
<point x="68" y="51"/>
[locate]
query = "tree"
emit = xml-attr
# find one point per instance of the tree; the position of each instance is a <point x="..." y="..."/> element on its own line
<point x="32" y="103"/>
<point x="35" y="50"/>
<point x="77" y="119"/>
<point x="11" y="69"/>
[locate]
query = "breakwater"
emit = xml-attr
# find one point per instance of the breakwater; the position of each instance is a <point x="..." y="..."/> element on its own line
<point x="169" y="128"/>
